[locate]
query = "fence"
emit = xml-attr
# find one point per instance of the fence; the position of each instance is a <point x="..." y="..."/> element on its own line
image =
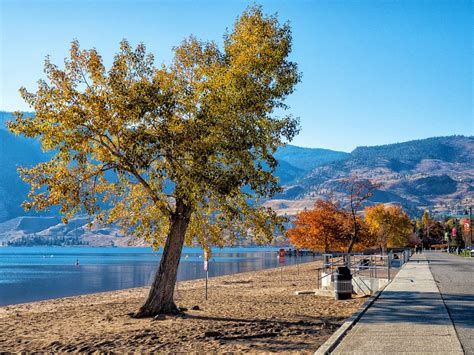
<point x="371" y="266"/>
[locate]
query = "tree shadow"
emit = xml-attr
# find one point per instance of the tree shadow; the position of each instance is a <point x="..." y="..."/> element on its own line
<point x="271" y="335"/>
<point x="420" y="308"/>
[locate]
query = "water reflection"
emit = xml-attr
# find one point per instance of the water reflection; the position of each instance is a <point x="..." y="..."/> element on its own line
<point x="30" y="274"/>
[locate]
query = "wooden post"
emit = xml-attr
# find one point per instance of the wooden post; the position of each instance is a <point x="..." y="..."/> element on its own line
<point x="206" y="268"/>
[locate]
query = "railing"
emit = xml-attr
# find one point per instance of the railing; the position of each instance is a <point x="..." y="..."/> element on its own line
<point x="373" y="266"/>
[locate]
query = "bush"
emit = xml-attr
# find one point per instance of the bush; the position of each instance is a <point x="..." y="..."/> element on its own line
<point x="465" y="253"/>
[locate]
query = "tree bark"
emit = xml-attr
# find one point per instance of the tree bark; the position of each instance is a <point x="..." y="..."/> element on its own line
<point x="354" y="235"/>
<point x="160" y="298"/>
<point x="352" y="242"/>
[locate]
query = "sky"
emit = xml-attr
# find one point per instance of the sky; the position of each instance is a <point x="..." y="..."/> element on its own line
<point x="374" y="71"/>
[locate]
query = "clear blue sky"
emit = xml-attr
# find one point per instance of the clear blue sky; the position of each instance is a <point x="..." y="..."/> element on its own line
<point x="374" y="71"/>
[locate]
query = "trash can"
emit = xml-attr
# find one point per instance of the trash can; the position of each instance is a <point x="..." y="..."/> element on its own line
<point x="343" y="283"/>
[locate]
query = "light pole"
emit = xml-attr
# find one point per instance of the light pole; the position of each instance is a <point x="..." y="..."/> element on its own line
<point x="455" y="230"/>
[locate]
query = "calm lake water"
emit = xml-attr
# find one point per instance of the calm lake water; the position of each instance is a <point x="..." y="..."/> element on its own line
<point x="37" y="273"/>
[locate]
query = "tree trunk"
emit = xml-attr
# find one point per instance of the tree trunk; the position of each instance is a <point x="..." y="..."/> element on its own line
<point x="160" y="298"/>
<point x="352" y="242"/>
<point x="354" y="235"/>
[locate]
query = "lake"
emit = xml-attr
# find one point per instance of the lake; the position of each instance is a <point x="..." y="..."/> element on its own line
<point x="37" y="273"/>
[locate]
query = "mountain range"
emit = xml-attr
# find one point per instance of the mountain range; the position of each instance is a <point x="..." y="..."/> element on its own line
<point x="437" y="173"/>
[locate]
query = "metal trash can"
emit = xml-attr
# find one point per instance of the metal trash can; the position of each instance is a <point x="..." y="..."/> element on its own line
<point x="343" y="283"/>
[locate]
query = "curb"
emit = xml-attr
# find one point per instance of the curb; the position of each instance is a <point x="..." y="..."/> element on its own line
<point x="331" y="344"/>
<point x="336" y="338"/>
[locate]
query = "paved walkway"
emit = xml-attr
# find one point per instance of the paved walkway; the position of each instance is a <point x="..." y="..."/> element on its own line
<point x="408" y="317"/>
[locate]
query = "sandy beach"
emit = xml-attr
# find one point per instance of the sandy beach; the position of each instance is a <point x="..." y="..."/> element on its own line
<point x="251" y="312"/>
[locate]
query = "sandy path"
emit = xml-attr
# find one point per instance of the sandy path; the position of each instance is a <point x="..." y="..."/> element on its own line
<point x="254" y="311"/>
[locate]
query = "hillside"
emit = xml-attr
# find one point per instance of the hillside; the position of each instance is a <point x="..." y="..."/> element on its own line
<point x="15" y="152"/>
<point x="31" y="230"/>
<point x="307" y="159"/>
<point x="436" y="172"/>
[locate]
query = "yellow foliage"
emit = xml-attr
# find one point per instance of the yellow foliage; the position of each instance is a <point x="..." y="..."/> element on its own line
<point x="390" y="224"/>
<point x="134" y="141"/>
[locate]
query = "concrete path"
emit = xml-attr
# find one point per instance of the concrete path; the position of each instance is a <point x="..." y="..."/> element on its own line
<point x="455" y="278"/>
<point x="408" y="317"/>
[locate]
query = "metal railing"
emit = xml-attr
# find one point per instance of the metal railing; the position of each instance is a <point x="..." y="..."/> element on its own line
<point x="373" y="266"/>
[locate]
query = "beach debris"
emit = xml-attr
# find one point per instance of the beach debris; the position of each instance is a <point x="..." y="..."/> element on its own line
<point x="196" y="308"/>
<point x="212" y="334"/>
<point x="305" y="292"/>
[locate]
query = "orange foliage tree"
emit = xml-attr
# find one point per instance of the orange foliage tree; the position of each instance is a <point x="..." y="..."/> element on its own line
<point x="327" y="228"/>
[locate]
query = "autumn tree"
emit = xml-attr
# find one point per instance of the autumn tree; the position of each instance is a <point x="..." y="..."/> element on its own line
<point x="318" y="228"/>
<point x="431" y="230"/>
<point x="327" y="227"/>
<point x="357" y="192"/>
<point x="426" y="223"/>
<point x="390" y="224"/>
<point x="165" y="151"/>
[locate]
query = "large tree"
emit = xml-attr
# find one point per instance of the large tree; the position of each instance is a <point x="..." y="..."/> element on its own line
<point x="166" y="151"/>
<point x="432" y="231"/>
<point x="319" y="228"/>
<point x="328" y="228"/>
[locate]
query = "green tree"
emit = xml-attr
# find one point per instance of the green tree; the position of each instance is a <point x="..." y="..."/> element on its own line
<point x="166" y="151"/>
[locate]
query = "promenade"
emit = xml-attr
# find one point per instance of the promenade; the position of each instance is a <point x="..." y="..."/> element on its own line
<point x="408" y="317"/>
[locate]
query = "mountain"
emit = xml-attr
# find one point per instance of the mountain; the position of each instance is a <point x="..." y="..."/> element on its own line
<point x="307" y="159"/>
<point x="14" y="152"/>
<point x="436" y="172"/>
<point x="294" y="162"/>
<point x="34" y="230"/>
<point x="287" y="172"/>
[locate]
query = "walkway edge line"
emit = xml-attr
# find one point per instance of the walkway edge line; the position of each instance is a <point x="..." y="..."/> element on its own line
<point x="330" y="344"/>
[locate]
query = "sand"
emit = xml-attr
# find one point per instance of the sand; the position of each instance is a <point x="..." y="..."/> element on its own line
<point x="247" y="312"/>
